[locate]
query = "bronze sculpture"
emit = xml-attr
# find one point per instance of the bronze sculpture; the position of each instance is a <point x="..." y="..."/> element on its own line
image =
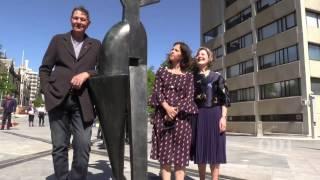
<point x="119" y="91"/>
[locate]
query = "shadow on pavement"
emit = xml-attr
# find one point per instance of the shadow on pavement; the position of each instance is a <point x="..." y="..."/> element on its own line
<point x="104" y="171"/>
<point x="102" y="165"/>
<point x="152" y="176"/>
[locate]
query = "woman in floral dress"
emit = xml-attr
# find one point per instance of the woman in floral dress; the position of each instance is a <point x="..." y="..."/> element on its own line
<point x="173" y="101"/>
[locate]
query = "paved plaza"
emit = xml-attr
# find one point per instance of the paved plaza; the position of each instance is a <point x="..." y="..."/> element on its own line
<point x="25" y="154"/>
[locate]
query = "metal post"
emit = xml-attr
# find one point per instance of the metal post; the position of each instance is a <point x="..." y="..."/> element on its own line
<point x="313" y="110"/>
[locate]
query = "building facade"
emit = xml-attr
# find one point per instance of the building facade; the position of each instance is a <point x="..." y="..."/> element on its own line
<point x="29" y="86"/>
<point x="269" y="53"/>
<point x="33" y="79"/>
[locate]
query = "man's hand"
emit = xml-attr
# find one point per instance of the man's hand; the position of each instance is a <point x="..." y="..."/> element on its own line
<point x="79" y="79"/>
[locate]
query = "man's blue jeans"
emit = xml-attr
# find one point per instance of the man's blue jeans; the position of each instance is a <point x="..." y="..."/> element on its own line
<point x="66" y="120"/>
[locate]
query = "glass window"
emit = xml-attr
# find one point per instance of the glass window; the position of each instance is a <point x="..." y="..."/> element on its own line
<point x="212" y="34"/>
<point x="314" y="51"/>
<point x="312" y="19"/>
<point x="249" y="67"/>
<point x="290" y="21"/>
<point x="282" y="117"/>
<point x="294" y="86"/>
<point x="274" y="90"/>
<point x="239" y="43"/>
<point x="268" y="60"/>
<point x="233" y="71"/>
<point x="242" y="16"/>
<point x="269" y="31"/>
<point x="218" y="51"/>
<point x="280" y="89"/>
<point x="246" y="14"/>
<point x="239" y="69"/>
<point x="277" y="26"/>
<point x="233" y="21"/>
<point x="292" y="53"/>
<point x="229" y="2"/>
<point x="315" y="86"/>
<point x="263" y="4"/>
<point x="279" y="57"/>
<point x="241" y="118"/>
<point x="248" y="40"/>
<point x="240" y="95"/>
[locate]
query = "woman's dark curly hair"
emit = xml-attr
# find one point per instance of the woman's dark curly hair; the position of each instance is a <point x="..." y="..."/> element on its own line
<point x="186" y="56"/>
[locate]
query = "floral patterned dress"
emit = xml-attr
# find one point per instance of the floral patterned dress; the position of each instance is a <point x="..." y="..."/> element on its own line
<point x="172" y="145"/>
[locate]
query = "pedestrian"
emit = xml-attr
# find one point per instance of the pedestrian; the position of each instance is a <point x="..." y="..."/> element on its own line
<point x="211" y="96"/>
<point x="9" y="106"/>
<point x="31" y="112"/>
<point x="68" y="63"/>
<point x="41" y="115"/>
<point x="172" y="99"/>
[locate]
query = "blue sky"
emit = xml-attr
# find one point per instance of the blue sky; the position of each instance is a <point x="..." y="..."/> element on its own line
<point x="30" y="24"/>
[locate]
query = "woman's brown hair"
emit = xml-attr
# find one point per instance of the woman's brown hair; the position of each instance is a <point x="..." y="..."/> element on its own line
<point x="211" y="57"/>
<point x="186" y="56"/>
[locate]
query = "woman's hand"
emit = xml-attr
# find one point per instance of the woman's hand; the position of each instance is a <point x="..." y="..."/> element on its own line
<point x="171" y="111"/>
<point x="223" y="124"/>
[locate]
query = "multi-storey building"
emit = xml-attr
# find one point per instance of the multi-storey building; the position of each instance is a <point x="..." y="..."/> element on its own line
<point x="33" y="79"/>
<point x="29" y="84"/>
<point x="269" y="53"/>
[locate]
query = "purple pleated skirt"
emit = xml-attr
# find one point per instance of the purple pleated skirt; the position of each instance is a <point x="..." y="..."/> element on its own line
<point x="209" y="145"/>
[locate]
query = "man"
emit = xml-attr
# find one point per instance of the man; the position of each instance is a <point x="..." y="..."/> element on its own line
<point x="9" y="106"/>
<point x="31" y="112"/>
<point x="67" y="64"/>
<point x="41" y="114"/>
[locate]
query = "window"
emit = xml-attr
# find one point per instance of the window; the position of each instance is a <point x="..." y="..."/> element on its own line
<point x="241" y="118"/>
<point x="277" y="26"/>
<point x="242" y="42"/>
<point x="313" y="19"/>
<point x="314" y="51"/>
<point x="237" y="19"/>
<point x="229" y="2"/>
<point x="239" y="69"/>
<point x="218" y="52"/>
<point x="240" y="95"/>
<point x="282" y="117"/>
<point x="282" y="56"/>
<point x="315" y="86"/>
<point x="212" y="34"/>
<point x="263" y="4"/>
<point x="280" y="89"/>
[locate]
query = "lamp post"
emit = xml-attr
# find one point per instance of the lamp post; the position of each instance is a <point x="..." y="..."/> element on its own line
<point x="314" y="117"/>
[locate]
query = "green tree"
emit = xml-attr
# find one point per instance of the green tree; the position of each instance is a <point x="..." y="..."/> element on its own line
<point x="6" y="86"/>
<point x="150" y="83"/>
<point x="38" y="101"/>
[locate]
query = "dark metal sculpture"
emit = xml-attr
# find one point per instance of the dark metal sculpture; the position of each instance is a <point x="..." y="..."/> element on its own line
<point x="119" y="91"/>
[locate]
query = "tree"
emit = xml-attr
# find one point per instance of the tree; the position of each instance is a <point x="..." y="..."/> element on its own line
<point x="6" y="86"/>
<point x="38" y="101"/>
<point x="150" y="83"/>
